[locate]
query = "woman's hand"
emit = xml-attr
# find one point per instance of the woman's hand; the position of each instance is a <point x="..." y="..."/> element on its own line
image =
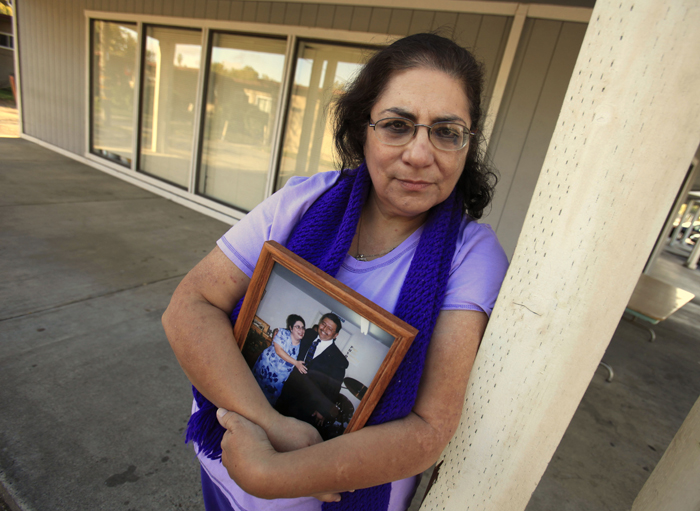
<point x="248" y="454"/>
<point x="301" y="367"/>
<point x="289" y="434"/>
<point x="299" y="364"/>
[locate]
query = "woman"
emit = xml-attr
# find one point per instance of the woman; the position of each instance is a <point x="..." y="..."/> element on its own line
<point x="275" y="363"/>
<point x="400" y="230"/>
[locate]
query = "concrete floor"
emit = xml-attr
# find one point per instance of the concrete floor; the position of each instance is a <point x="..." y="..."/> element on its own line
<point x="94" y="403"/>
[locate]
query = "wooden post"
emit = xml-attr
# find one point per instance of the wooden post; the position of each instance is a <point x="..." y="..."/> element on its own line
<point x="673" y="485"/>
<point x="624" y="140"/>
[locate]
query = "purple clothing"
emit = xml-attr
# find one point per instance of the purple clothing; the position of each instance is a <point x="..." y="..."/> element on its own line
<point x="477" y="270"/>
<point x="478" y="266"/>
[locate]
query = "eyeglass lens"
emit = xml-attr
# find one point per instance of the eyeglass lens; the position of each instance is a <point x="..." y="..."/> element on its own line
<point x="397" y="131"/>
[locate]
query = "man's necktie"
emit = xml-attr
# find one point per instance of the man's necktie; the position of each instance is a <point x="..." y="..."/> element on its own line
<point x="312" y="350"/>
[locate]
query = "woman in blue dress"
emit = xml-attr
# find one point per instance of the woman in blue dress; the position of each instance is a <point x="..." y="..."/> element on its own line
<point x="274" y="364"/>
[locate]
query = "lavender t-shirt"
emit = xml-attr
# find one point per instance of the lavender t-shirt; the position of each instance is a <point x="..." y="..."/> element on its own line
<point x="478" y="268"/>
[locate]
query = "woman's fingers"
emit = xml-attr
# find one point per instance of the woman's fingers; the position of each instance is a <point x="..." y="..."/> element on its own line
<point x="302" y="368"/>
<point x="289" y="434"/>
<point x="328" y="497"/>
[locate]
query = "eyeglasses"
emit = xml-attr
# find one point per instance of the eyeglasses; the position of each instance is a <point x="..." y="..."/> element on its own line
<point x="397" y="131"/>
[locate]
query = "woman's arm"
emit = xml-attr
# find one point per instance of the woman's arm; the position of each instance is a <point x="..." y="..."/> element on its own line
<point x="375" y="454"/>
<point x="299" y="364"/>
<point x="197" y="325"/>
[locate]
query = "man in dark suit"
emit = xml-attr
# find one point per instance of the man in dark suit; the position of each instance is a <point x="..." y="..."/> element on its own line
<point x="311" y="397"/>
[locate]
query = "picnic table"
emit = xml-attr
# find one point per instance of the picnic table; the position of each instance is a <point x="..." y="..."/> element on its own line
<point x="652" y="301"/>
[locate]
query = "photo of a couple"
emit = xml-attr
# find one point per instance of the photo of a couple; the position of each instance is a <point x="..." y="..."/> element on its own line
<point x="302" y="372"/>
<point x="316" y="371"/>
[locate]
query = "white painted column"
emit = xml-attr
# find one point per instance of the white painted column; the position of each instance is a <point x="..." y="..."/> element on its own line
<point x="673" y="485"/>
<point x="625" y="137"/>
<point x="692" y="261"/>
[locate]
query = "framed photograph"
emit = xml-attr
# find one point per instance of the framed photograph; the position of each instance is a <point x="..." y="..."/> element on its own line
<point x="321" y="352"/>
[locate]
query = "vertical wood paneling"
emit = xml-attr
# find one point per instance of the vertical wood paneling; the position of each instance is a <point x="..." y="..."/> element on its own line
<point x="379" y="20"/>
<point x="211" y="9"/>
<point x="249" y="11"/>
<point x="278" y="12"/>
<point x="518" y="106"/>
<point x="360" y="19"/>
<point x="292" y="14"/>
<point x="342" y="18"/>
<point x="79" y="44"/>
<point x="236" y="13"/>
<point x="489" y="46"/>
<point x="325" y="16"/>
<point x="187" y="9"/>
<point x="444" y="23"/>
<point x="39" y="117"/>
<point x="400" y="21"/>
<point x="177" y="7"/>
<point x="492" y="52"/>
<point x="49" y="58"/>
<point x="421" y="21"/>
<point x="76" y="88"/>
<point x="199" y="9"/>
<point x="467" y="29"/>
<point x="60" y="65"/>
<point x="148" y="6"/>
<point x="159" y="7"/>
<point x="309" y="13"/>
<point x="263" y="13"/>
<point x="224" y="10"/>
<point x="539" y="133"/>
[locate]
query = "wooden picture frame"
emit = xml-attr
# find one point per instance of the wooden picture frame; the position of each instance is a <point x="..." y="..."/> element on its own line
<point x="283" y="284"/>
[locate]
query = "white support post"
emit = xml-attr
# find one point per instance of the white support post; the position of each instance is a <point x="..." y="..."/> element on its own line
<point x="673" y="485"/>
<point x="692" y="261"/>
<point x="624" y="140"/>
<point x="677" y="231"/>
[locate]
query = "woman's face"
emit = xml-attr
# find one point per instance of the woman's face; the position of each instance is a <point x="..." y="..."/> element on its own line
<point x="298" y="331"/>
<point x="409" y="180"/>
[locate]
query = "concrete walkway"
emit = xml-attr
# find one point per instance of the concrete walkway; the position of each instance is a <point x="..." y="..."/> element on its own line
<point x="93" y="404"/>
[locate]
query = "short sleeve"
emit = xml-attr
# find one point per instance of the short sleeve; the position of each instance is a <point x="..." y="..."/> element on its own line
<point x="273" y="219"/>
<point x="478" y="268"/>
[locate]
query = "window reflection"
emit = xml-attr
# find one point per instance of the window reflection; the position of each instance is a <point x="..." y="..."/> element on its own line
<point x="243" y="90"/>
<point x="114" y="47"/>
<point x="170" y="76"/>
<point x="322" y="70"/>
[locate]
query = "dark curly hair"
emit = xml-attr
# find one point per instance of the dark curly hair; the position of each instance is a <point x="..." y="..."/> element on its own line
<point x="292" y="319"/>
<point x="352" y="108"/>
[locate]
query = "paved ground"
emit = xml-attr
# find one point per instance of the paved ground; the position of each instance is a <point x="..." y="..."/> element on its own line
<point x="94" y="403"/>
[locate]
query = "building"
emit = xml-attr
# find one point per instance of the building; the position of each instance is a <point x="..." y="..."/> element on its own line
<point x="216" y="104"/>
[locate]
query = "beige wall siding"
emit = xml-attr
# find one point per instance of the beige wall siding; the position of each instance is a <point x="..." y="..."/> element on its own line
<point x="531" y="103"/>
<point x="53" y="49"/>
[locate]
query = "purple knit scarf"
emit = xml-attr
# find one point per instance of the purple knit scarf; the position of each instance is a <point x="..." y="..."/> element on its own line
<point x="334" y="216"/>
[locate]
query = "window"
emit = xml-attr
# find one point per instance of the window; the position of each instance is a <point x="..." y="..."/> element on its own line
<point x="200" y="110"/>
<point x="322" y="70"/>
<point x="113" y="64"/>
<point x="170" y="76"/>
<point x="244" y="82"/>
<point x="7" y="41"/>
